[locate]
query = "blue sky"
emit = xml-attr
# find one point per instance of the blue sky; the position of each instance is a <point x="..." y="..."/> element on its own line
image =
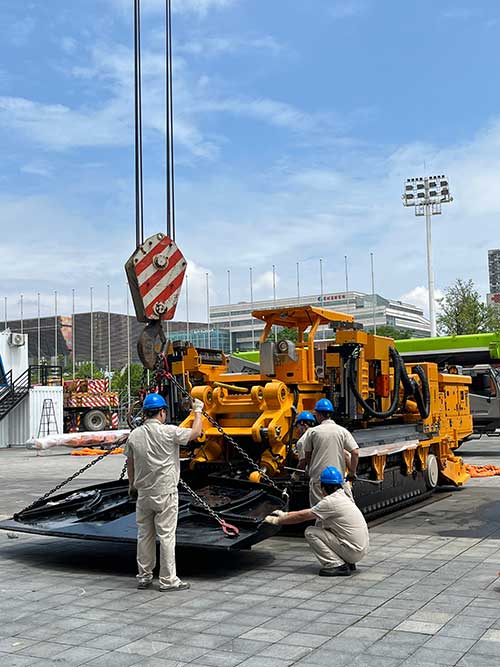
<point x="296" y="124"/>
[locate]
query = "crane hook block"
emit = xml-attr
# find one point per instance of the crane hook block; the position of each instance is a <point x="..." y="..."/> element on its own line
<point x="151" y="343"/>
<point x="155" y="273"/>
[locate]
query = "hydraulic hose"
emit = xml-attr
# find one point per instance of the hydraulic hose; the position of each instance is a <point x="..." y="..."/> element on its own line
<point x="422" y="398"/>
<point x="411" y="388"/>
<point x="396" y="361"/>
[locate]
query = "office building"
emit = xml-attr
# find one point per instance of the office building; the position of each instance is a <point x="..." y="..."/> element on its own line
<point x="365" y="308"/>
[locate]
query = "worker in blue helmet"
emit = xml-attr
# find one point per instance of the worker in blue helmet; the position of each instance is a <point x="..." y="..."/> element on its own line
<point x="339" y="538"/>
<point x="327" y="444"/>
<point x="153" y="466"/>
<point x="304" y="421"/>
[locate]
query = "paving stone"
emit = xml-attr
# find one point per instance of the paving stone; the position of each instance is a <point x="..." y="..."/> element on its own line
<point x="444" y="642"/>
<point x="240" y="645"/>
<point x="478" y="660"/>
<point x="259" y="661"/>
<point x="220" y="659"/>
<point x="77" y="655"/>
<point x="435" y="656"/>
<point x="286" y="651"/>
<point x="107" y="642"/>
<point x="144" y="646"/>
<point x="181" y="653"/>
<point x="311" y="640"/>
<point x="419" y="626"/>
<point x="16" y="660"/>
<point x="486" y="647"/>
<point x="264" y="634"/>
<point x="116" y="659"/>
<point x="44" y="649"/>
<point x="15" y="644"/>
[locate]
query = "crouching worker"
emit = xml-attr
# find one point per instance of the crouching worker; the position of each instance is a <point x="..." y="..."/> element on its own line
<point x="153" y="467"/>
<point x="340" y="537"/>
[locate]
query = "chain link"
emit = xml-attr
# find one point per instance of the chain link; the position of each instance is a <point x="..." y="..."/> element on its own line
<point x="229" y="529"/>
<point x="69" y="479"/>
<point x="231" y="440"/>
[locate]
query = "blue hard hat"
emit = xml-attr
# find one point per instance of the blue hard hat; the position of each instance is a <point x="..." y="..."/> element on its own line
<point x="154" y="402"/>
<point x="331" y="475"/>
<point x="323" y="405"/>
<point x="305" y="417"/>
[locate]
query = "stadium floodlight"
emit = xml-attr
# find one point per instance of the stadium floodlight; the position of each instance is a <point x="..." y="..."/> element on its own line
<point x="427" y="194"/>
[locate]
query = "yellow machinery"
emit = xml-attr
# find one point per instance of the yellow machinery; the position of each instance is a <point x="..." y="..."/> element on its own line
<point x="407" y="418"/>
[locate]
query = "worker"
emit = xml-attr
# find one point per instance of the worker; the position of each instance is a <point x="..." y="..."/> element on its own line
<point x="304" y="421"/>
<point x="340" y="537"/>
<point x="153" y="467"/>
<point x="327" y="445"/>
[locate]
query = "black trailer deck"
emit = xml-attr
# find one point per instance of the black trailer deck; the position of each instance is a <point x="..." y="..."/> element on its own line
<point x="105" y="512"/>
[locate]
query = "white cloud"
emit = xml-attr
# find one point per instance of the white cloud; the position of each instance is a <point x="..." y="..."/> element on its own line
<point x="68" y="44"/>
<point x="419" y="296"/>
<point x="343" y="9"/>
<point x="459" y="13"/>
<point x="214" y="46"/>
<point x="197" y="7"/>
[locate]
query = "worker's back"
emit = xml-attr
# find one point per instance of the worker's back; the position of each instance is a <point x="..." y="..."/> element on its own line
<point x="338" y="514"/>
<point x="155" y="447"/>
<point x="326" y="443"/>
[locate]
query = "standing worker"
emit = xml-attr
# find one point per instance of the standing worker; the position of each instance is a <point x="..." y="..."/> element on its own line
<point x="326" y="445"/>
<point x="153" y="467"/>
<point x="340" y="537"/>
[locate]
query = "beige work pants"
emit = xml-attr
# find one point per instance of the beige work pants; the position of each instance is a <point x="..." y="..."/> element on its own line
<point x="329" y="550"/>
<point x="157" y="516"/>
<point x="315" y="493"/>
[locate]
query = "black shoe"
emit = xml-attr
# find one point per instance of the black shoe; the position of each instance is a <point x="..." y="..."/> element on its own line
<point x="352" y="567"/>
<point x="143" y="584"/>
<point x="340" y="571"/>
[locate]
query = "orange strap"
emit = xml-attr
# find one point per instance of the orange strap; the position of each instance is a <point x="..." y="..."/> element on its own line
<point x="89" y="451"/>
<point x="488" y="470"/>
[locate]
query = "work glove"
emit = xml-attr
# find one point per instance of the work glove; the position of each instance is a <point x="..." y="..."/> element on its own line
<point x="132" y="493"/>
<point x="274" y="520"/>
<point x="197" y="405"/>
<point x="351" y="477"/>
<point x="275" y="517"/>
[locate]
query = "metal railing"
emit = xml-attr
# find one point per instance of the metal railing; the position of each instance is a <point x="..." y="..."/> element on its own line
<point x="13" y="391"/>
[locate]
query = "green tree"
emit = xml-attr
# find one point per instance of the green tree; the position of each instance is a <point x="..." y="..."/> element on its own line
<point x="84" y="370"/>
<point x="119" y="381"/>
<point x="284" y="333"/>
<point x="463" y="312"/>
<point x="393" y="332"/>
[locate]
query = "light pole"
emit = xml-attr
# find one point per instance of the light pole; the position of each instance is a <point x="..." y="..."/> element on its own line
<point x="73" y="338"/>
<point x="426" y="194"/>
<point x="251" y="306"/>
<point x="230" y="311"/>
<point x="208" y="311"/>
<point x="373" y="295"/>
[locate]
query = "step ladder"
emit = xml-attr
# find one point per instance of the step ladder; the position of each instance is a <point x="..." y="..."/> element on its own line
<point x="48" y="421"/>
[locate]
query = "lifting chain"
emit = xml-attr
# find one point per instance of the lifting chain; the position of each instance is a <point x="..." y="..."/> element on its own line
<point x="159" y="372"/>
<point x="228" y="529"/>
<point x="231" y="440"/>
<point x="69" y="479"/>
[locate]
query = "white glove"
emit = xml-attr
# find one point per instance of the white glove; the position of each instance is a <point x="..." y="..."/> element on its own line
<point x="275" y="517"/>
<point x="197" y="405"/>
<point x="274" y="520"/>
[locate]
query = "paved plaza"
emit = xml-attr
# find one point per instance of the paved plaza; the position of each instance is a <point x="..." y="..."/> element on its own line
<point x="428" y="594"/>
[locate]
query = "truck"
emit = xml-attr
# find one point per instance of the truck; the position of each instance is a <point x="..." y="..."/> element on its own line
<point x="475" y="356"/>
<point x="89" y="405"/>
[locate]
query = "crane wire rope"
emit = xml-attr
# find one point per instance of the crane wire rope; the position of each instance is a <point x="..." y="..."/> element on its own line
<point x="139" y="198"/>
<point x="169" y="123"/>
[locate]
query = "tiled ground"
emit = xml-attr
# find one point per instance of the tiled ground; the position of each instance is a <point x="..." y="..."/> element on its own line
<point x="426" y="595"/>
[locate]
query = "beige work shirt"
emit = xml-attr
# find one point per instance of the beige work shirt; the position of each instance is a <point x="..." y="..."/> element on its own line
<point x="338" y="514"/>
<point x="154" y="448"/>
<point x="326" y="443"/>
